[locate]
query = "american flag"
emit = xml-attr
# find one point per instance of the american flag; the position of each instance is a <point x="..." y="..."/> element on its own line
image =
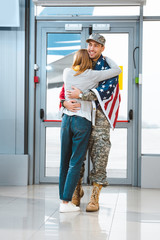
<point x="108" y="94"/>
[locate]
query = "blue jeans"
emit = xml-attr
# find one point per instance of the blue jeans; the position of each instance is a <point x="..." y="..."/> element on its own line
<point x="75" y="133"/>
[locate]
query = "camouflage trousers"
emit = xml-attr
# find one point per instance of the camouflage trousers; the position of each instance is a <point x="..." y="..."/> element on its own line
<point x="99" y="148"/>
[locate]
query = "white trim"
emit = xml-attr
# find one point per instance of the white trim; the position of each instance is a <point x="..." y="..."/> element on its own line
<point x="89" y="2"/>
<point x="140" y="78"/>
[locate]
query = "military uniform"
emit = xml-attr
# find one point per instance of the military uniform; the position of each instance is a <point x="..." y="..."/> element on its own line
<point x="99" y="144"/>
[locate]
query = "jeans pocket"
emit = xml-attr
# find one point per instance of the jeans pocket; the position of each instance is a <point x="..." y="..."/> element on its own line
<point x="82" y="124"/>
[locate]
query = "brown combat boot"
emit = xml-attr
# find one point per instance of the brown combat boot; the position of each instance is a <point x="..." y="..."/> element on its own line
<point x="78" y="193"/>
<point x="93" y="205"/>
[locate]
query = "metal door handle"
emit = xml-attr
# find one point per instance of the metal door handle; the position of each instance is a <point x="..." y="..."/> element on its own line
<point x="130" y="114"/>
<point x="41" y="113"/>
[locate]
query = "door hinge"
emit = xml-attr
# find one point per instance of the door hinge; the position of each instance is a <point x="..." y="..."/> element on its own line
<point x="36" y="67"/>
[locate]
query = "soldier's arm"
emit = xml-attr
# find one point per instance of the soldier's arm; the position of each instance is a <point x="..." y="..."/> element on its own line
<point x="89" y="96"/>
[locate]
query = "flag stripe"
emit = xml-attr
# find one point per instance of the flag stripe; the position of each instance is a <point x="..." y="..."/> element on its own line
<point x="110" y="107"/>
<point x="107" y="103"/>
<point x="114" y="112"/>
<point x="114" y="101"/>
<point x="116" y="116"/>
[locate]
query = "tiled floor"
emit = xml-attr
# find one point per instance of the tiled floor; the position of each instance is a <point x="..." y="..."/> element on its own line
<point x="126" y="213"/>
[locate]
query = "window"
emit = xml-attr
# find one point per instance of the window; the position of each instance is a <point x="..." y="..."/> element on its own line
<point x="151" y="88"/>
<point x="152" y="8"/>
<point x="87" y="11"/>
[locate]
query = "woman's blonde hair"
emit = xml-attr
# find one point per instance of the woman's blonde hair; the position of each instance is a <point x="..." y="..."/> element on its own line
<point x="81" y="59"/>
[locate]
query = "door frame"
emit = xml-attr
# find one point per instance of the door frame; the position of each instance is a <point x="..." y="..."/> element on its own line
<point x="131" y="27"/>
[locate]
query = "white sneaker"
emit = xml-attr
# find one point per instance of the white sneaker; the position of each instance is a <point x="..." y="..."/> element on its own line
<point x="68" y="207"/>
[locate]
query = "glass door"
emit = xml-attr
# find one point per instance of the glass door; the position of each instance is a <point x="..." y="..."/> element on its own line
<point x="60" y="50"/>
<point x="118" y="169"/>
<point x="55" y="50"/>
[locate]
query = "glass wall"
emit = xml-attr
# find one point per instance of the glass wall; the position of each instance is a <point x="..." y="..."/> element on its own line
<point x="152" y="8"/>
<point x="151" y="88"/>
<point x="87" y="11"/>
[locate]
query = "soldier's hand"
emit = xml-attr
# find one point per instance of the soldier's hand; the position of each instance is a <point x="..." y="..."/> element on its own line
<point x="73" y="93"/>
<point x="72" y="105"/>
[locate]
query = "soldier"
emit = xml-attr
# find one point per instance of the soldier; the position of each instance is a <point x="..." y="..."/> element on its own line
<point x="99" y="143"/>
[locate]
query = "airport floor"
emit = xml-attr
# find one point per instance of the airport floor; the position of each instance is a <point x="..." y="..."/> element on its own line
<point x="32" y="213"/>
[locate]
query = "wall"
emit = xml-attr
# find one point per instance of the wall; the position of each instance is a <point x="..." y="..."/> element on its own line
<point x="12" y="97"/>
<point x="150" y="177"/>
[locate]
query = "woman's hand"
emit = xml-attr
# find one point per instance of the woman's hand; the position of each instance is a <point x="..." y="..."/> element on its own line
<point x="73" y="93"/>
<point x="72" y="105"/>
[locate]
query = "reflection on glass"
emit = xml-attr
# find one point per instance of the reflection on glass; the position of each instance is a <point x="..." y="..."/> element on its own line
<point x="87" y="11"/>
<point x="117" y="163"/>
<point x="151" y="88"/>
<point x="60" y="50"/>
<point x="52" y="151"/>
<point x="115" y="51"/>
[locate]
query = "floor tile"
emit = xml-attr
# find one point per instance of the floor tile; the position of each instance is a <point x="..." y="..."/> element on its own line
<point x="32" y="213"/>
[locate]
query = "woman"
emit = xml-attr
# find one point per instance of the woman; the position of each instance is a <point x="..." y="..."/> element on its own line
<point x="76" y="126"/>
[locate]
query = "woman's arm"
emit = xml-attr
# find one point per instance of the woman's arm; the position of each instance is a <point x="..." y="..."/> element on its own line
<point x="88" y="96"/>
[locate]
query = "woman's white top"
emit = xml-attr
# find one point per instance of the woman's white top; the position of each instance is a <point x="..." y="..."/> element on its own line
<point x="87" y="80"/>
